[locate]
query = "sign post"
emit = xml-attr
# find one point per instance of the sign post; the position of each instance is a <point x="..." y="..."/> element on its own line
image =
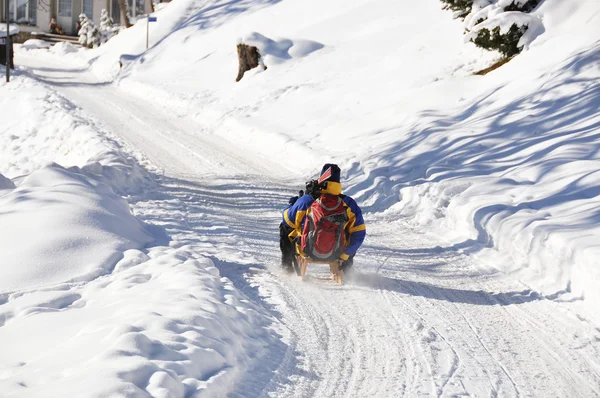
<point x="150" y="19"/>
<point x="7" y="42"/>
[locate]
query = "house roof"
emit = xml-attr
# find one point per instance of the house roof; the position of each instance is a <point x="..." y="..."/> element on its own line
<point x="14" y="29"/>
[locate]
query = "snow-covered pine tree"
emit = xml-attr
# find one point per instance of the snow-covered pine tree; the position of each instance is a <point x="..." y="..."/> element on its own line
<point x="495" y="24"/>
<point x="522" y="5"/>
<point x="507" y="43"/>
<point x="107" y="27"/>
<point x="89" y="35"/>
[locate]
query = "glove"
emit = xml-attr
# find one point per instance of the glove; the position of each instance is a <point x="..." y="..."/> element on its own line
<point x="347" y="264"/>
<point x="313" y="188"/>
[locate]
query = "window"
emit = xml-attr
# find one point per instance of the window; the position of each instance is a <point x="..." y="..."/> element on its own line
<point x="134" y="12"/>
<point x="11" y="10"/>
<point x="65" y="8"/>
<point x="32" y="12"/>
<point x="115" y="12"/>
<point x="22" y="11"/>
<point x="136" y="8"/>
<point x="140" y="7"/>
<point x="88" y="7"/>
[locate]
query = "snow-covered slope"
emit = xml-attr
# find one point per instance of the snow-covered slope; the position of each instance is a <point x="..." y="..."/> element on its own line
<point x="61" y="226"/>
<point x="40" y="127"/>
<point x="504" y="161"/>
<point x="86" y="308"/>
<point x="502" y="168"/>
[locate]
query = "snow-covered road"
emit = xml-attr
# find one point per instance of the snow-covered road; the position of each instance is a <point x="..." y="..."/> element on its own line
<point x="417" y="318"/>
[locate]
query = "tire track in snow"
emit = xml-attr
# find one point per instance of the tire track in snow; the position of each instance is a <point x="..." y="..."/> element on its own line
<point x="429" y="333"/>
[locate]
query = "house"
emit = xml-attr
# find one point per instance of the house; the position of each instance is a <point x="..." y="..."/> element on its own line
<point x="35" y="15"/>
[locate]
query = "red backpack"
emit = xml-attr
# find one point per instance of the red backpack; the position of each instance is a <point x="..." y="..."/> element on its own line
<point x="323" y="236"/>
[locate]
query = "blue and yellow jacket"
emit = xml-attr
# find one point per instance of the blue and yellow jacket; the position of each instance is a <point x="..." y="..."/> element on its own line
<point x="294" y="217"/>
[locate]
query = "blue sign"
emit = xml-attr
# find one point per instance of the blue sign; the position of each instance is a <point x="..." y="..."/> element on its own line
<point x="152" y="19"/>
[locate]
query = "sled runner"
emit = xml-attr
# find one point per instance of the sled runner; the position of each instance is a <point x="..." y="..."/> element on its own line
<point x="334" y="267"/>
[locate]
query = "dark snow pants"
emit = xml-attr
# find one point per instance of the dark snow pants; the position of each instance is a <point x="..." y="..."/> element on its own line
<point x="288" y="250"/>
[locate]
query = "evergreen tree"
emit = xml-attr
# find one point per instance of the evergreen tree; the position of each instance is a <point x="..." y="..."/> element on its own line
<point x="107" y="27"/>
<point x="527" y="6"/>
<point x="506" y="44"/>
<point x="476" y="12"/>
<point x="89" y="35"/>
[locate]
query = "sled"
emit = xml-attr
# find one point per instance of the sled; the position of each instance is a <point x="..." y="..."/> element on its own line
<point x="334" y="267"/>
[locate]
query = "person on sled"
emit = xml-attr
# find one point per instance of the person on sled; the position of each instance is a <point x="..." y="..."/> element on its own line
<point x="288" y="251"/>
<point x="327" y="224"/>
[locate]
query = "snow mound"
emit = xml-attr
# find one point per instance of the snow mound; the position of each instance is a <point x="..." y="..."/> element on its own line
<point x="64" y="48"/>
<point x="34" y="44"/>
<point x="43" y="127"/>
<point x="277" y="51"/>
<point x="163" y="324"/>
<point x="122" y="173"/>
<point x="61" y="226"/>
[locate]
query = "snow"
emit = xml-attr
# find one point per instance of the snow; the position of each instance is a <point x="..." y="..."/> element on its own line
<point x="155" y="317"/>
<point x="493" y="15"/>
<point x="103" y="314"/>
<point x="34" y="44"/>
<point x="429" y="130"/>
<point x="44" y="127"/>
<point x="277" y="51"/>
<point x="14" y="29"/>
<point x="63" y="48"/>
<point x="479" y="274"/>
<point x="55" y="212"/>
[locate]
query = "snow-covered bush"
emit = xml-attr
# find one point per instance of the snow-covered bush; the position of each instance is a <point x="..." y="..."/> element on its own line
<point x="108" y="28"/>
<point x="522" y="5"/>
<point x="89" y="35"/>
<point x="506" y="43"/>
<point x="499" y="25"/>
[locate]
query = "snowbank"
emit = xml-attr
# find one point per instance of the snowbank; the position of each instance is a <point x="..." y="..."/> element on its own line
<point x="60" y="226"/>
<point x="42" y="127"/>
<point x="163" y="323"/>
<point x="277" y="51"/>
<point x="515" y="174"/>
<point x="64" y="48"/>
<point x="83" y="311"/>
<point x="34" y="44"/>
